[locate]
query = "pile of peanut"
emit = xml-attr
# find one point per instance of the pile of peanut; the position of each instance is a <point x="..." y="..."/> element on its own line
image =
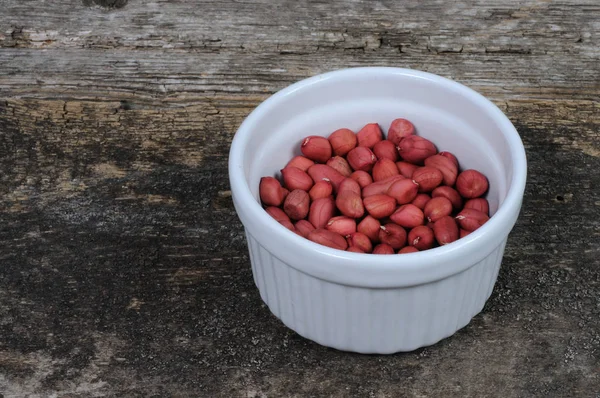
<point x="366" y="194"/>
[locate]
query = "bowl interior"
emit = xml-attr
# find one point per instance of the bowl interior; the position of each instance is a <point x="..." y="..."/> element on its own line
<point x="454" y="118"/>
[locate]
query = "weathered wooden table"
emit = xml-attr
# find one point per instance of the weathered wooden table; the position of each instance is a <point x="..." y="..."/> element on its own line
<point x="123" y="266"/>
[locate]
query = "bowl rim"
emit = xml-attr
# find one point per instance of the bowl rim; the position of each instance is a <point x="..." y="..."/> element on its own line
<point x="360" y="269"/>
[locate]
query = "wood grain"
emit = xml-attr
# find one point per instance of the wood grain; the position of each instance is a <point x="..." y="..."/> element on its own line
<point x="123" y="267"/>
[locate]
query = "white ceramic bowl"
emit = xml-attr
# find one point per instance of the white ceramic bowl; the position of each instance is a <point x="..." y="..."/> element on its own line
<point x="376" y="303"/>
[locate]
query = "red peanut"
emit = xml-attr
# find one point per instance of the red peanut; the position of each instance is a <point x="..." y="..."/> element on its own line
<point x="383" y="248"/>
<point x="341" y="165"/>
<point x="369" y="135"/>
<point x="296" y="204"/>
<point x="404" y="191"/>
<point x="384" y="168"/>
<point x="437" y="208"/>
<point x="471" y="219"/>
<point x="399" y="129"/>
<point x="394" y="235"/>
<point x="360" y="240"/>
<point x="361" y="158"/>
<point x="415" y="149"/>
<point x="350" y="204"/>
<point x="328" y="238"/>
<point x="471" y="184"/>
<point x="342" y="225"/>
<point x="362" y="177"/>
<point x="294" y="178"/>
<point x="303" y="227"/>
<point x="379" y="206"/>
<point x="428" y="178"/>
<point x="320" y="172"/>
<point x="480" y="204"/>
<point x="321" y="210"/>
<point x="449" y="193"/>
<point x="300" y="162"/>
<point x="408" y="249"/>
<point x="408" y="216"/>
<point x="421" y="200"/>
<point x="445" y="230"/>
<point x="406" y="169"/>
<point x="446" y="166"/>
<point x="342" y="141"/>
<point x="380" y="187"/>
<point x="270" y="191"/>
<point x="421" y="237"/>
<point x="322" y="189"/>
<point x="316" y="148"/>
<point x="370" y="227"/>
<point x="386" y="150"/>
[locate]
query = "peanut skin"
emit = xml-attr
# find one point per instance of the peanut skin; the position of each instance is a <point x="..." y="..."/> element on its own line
<point x="415" y="149"/>
<point x="480" y="204"/>
<point x="320" y="172"/>
<point x="362" y="177"/>
<point x="328" y="238"/>
<point x="348" y="184"/>
<point x="408" y="216"/>
<point x="270" y="191"/>
<point x="342" y="141"/>
<point x="428" y="178"/>
<point x="322" y="189"/>
<point x="437" y="208"/>
<point x="316" y="148"/>
<point x="384" y="168"/>
<point x="370" y="227"/>
<point x="446" y="166"/>
<point x="399" y="129"/>
<point x="449" y="193"/>
<point x="303" y="227"/>
<point x="341" y="165"/>
<point x="350" y="204"/>
<point x="445" y="230"/>
<point x="408" y="249"/>
<point x="421" y="237"/>
<point x="300" y="162"/>
<point x="421" y="200"/>
<point x="450" y="156"/>
<point x="294" y="178"/>
<point x="471" y="184"/>
<point x="369" y="135"/>
<point x="404" y="191"/>
<point x="360" y="240"/>
<point x="383" y="248"/>
<point x="277" y="213"/>
<point x="386" y="150"/>
<point x="406" y="169"/>
<point x="471" y="219"/>
<point x="342" y="225"/>
<point x="321" y="210"/>
<point x="394" y="235"/>
<point x="380" y="187"/>
<point x="379" y="206"/>
<point x="361" y="158"/>
<point x="296" y="204"/>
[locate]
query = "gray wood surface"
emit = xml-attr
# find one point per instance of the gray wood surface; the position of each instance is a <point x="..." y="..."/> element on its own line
<point x="123" y="266"/>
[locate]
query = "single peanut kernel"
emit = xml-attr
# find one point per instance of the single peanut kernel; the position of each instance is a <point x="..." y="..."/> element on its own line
<point x="379" y="206"/>
<point x="296" y="204"/>
<point x="415" y="149"/>
<point x="384" y="168"/>
<point x="294" y="178"/>
<point x="270" y="191"/>
<point x="369" y="135"/>
<point x="316" y="148"/>
<point x="321" y="211"/>
<point x="342" y="141"/>
<point x="428" y="178"/>
<point x="341" y="165"/>
<point x="399" y="129"/>
<point x="386" y="150"/>
<point x="408" y="216"/>
<point x="445" y="230"/>
<point x="471" y="184"/>
<point x="328" y="238"/>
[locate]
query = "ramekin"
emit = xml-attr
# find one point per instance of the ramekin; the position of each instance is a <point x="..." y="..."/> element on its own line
<point x="376" y="303"/>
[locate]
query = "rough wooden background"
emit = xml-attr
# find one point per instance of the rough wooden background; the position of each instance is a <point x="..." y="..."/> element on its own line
<point x="123" y="267"/>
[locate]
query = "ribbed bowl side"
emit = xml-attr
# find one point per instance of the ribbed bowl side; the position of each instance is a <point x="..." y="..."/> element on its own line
<point x="371" y="320"/>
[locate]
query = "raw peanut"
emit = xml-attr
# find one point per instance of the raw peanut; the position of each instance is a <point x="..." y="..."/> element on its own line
<point x="342" y="225"/>
<point x="322" y="189"/>
<point x="385" y="150"/>
<point x="360" y="240"/>
<point x="379" y="206"/>
<point x="445" y="230"/>
<point x="320" y="172"/>
<point x="277" y="213"/>
<point x="370" y="227"/>
<point x="408" y="216"/>
<point x="399" y="129"/>
<point x="316" y="148"/>
<point x="408" y="249"/>
<point x="437" y="208"/>
<point x="348" y="184"/>
<point x="404" y="191"/>
<point x="296" y="204"/>
<point x="303" y="227"/>
<point x="471" y="184"/>
<point x="354" y="249"/>
<point x="285" y="193"/>
<point x="421" y="200"/>
<point x="300" y="162"/>
<point x="471" y="219"/>
<point x="270" y="191"/>
<point x="362" y="177"/>
<point x="415" y="149"/>
<point x="294" y="178"/>
<point x="428" y="178"/>
<point x="328" y="238"/>
<point x="383" y="248"/>
<point x="406" y="169"/>
<point x="480" y="204"/>
<point x="449" y="193"/>
<point x="361" y="158"/>
<point x="369" y="135"/>
<point x="384" y="168"/>
<point x="321" y="210"/>
<point x="463" y="233"/>
<point x="341" y="165"/>
<point x="446" y="166"/>
<point x="450" y="156"/>
<point x="380" y="187"/>
<point x="342" y="141"/>
<point x="421" y="237"/>
<point x="394" y="235"/>
<point x="288" y="224"/>
<point x="350" y="204"/>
